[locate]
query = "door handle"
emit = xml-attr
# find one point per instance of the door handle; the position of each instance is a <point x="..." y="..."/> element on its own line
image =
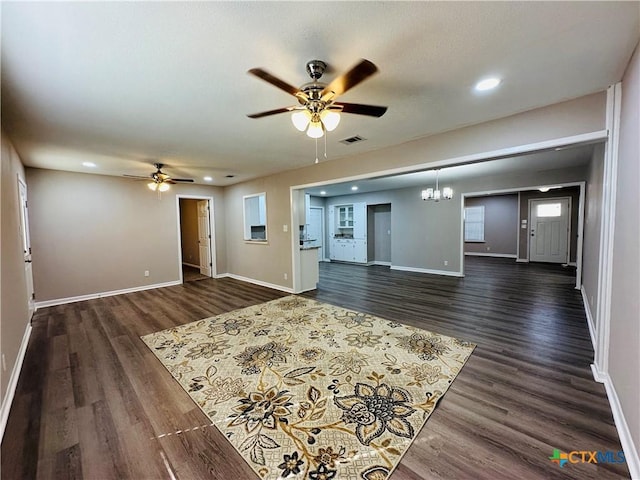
<point x="28" y="261"/>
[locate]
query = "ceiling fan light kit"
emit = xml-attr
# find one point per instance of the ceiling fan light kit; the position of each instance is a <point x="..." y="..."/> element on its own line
<point x="160" y="181"/>
<point x="318" y="112"/>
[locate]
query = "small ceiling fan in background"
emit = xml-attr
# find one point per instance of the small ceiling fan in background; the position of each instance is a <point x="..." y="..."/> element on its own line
<point x="160" y="181"/>
<point x="317" y="110"/>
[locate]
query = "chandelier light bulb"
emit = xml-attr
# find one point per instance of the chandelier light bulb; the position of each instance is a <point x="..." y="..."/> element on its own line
<point x="427" y="194"/>
<point x="301" y="119"/>
<point x="447" y="193"/>
<point x="315" y="130"/>
<point x="330" y="119"/>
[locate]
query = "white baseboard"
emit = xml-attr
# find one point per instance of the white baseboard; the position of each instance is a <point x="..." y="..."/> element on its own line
<point x="590" y="323"/>
<point x="629" y="448"/>
<point x="375" y="262"/>
<point x="522" y="260"/>
<point x="497" y="255"/>
<point x="190" y="265"/>
<point x="256" y="282"/>
<point x="13" y="381"/>
<point x="91" y="296"/>
<point x="326" y="259"/>
<point x="426" y="270"/>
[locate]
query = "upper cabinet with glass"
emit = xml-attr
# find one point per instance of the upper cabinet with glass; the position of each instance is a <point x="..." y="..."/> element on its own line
<point x="255" y="217"/>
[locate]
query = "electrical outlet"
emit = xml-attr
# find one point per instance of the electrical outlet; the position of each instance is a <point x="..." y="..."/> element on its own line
<point x="286" y="276"/>
<point x="146" y="273"/>
<point x="488" y="249"/>
<point x="446" y="262"/>
<point x="4" y="363"/>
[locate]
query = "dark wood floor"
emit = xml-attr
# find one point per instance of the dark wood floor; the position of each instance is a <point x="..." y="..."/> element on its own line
<point x="192" y="274"/>
<point x="93" y="402"/>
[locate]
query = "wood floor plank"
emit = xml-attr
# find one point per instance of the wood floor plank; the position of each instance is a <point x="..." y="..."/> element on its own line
<point x="93" y="402"/>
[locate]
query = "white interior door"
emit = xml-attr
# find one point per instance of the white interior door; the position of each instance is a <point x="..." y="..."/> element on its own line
<point x="26" y="245"/>
<point x="204" y="237"/>
<point x="315" y="230"/>
<point x="549" y="230"/>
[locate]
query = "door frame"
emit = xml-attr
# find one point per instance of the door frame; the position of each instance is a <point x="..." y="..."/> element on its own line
<point x="214" y="271"/>
<point x="542" y="199"/>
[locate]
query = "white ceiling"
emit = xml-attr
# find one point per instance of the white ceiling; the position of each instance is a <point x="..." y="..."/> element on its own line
<point x="125" y="84"/>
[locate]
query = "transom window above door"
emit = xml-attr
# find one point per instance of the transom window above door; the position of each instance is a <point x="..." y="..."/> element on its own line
<point x="549" y="210"/>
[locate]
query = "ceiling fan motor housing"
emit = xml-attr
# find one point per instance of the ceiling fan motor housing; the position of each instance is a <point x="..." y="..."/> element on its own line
<point x="315" y="68"/>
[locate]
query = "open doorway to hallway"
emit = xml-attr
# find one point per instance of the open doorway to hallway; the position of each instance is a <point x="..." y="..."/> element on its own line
<point x="196" y="239"/>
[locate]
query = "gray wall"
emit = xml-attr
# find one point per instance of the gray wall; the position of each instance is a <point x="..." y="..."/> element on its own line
<point x="500" y="225"/>
<point x="13" y="302"/>
<point x="573" y="193"/>
<point x="95" y="233"/>
<point x="592" y="230"/>
<point x="426" y="234"/>
<point x="624" y="344"/>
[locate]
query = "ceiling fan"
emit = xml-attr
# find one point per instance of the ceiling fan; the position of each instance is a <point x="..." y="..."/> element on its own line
<point x="317" y="110"/>
<point x="160" y="181"/>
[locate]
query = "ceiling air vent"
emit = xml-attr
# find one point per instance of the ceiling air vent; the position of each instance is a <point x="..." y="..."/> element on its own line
<point x="354" y="139"/>
<point x="229" y="176"/>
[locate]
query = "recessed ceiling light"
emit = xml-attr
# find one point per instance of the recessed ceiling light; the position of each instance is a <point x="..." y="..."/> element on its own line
<point x="487" y="84"/>
<point x="208" y="179"/>
<point x="323" y="192"/>
<point x="354" y="188"/>
<point x="89" y="164"/>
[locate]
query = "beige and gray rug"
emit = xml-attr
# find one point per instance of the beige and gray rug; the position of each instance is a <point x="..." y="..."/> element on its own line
<point x="308" y="390"/>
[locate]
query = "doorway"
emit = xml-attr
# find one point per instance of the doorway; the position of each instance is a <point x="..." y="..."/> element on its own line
<point x="195" y="234"/>
<point x="379" y="234"/>
<point x="549" y="230"/>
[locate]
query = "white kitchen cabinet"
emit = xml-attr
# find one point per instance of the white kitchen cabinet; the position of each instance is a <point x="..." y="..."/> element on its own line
<point x="332" y="223"/>
<point x="360" y="250"/>
<point x="349" y="250"/>
<point x="360" y="220"/>
<point x="345" y="216"/>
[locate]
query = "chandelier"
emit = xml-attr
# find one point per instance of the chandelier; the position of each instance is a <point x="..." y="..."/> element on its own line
<point x="436" y="194"/>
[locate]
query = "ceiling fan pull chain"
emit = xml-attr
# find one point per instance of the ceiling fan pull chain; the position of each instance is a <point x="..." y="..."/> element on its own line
<point x="316" y="150"/>
<point x="325" y="145"/>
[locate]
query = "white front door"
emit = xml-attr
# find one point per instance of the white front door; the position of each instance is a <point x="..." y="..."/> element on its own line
<point x="26" y="245"/>
<point x="549" y="230"/>
<point x="316" y="230"/>
<point x="204" y="237"/>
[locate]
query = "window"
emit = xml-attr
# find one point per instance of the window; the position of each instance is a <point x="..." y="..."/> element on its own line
<point x="549" y="210"/>
<point x="474" y="224"/>
<point x="255" y="217"/>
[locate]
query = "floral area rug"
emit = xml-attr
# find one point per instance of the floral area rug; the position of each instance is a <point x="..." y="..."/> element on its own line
<point x="307" y="390"/>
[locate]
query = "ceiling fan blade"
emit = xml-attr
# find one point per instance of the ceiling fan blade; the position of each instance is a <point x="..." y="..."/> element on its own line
<point x="353" y="77"/>
<point x="137" y="176"/>
<point x="275" y="81"/>
<point x="271" y="112"/>
<point x="360" y="109"/>
<point x="174" y="180"/>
